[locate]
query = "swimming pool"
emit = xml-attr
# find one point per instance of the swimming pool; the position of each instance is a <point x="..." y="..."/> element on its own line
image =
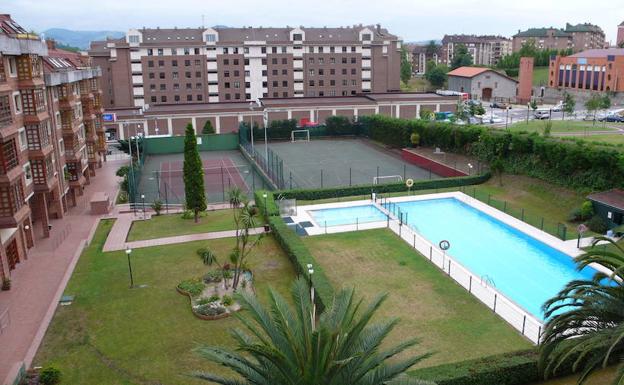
<point x="525" y="270"/>
<point x="347" y="215"/>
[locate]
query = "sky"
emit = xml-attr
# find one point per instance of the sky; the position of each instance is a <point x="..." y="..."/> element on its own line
<point x="412" y="20"/>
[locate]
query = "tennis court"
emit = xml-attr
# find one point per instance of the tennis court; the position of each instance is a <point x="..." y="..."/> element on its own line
<point x="342" y="162"/>
<point x="162" y="176"/>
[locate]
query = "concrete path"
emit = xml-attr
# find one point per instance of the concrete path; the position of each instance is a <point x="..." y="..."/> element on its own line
<point x="39" y="281"/>
<point x="186" y="238"/>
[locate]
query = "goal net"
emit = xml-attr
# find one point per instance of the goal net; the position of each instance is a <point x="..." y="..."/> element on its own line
<point x="387" y="179"/>
<point x="300" y="136"/>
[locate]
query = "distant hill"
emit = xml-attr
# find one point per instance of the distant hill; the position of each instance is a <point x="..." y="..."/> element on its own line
<point x="423" y="42"/>
<point x="79" y="39"/>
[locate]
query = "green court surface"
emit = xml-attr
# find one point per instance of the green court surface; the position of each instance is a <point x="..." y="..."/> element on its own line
<point x="342" y="162"/>
<point x="162" y="177"/>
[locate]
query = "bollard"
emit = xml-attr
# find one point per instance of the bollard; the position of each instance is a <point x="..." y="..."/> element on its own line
<point x="495" y="298"/>
<point x="470" y="285"/>
<point x="523" y="323"/>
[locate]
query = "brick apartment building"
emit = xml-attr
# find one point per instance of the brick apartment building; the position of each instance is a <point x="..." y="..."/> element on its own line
<point x="50" y="110"/>
<point x="599" y="70"/>
<point x="577" y="37"/>
<point x="619" y="42"/>
<point x="421" y="54"/>
<point x="485" y="50"/>
<point x="153" y="66"/>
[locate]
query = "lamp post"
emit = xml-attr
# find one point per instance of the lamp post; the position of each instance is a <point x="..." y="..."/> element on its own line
<point x="128" y="252"/>
<point x="528" y="111"/>
<point x="251" y="108"/>
<point x="265" y="205"/>
<point x="310" y="272"/>
<point x="470" y="169"/>
<point x="143" y="199"/>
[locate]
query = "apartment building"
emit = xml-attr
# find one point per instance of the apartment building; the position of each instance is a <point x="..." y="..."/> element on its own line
<point x="599" y="70"/>
<point x="485" y="50"/>
<point x="619" y="42"/>
<point x="422" y="54"/>
<point x="153" y="66"/>
<point x="578" y="37"/>
<point x="36" y="84"/>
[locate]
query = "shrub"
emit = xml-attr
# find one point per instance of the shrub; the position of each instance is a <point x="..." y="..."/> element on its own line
<point x="50" y="375"/>
<point x="575" y="215"/>
<point x="192" y="286"/>
<point x="157" y="206"/>
<point x="203" y="301"/>
<point x="415" y="139"/>
<point x="210" y="310"/>
<point x="271" y="208"/>
<point x="227" y="300"/>
<point x="299" y="256"/>
<point x="213" y="276"/>
<point x="187" y="214"/>
<point x="547" y="128"/>
<point x="587" y="210"/>
<point x="597" y="225"/>
<point x="339" y="125"/>
<point x="214" y="298"/>
<point x="6" y="284"/>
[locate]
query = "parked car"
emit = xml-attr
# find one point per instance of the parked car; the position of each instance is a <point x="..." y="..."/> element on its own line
<point x="501" y="105"/>
<point x="542" y="114"/>
<point x="588" y="117"/>
<point x="612" y="118"/>
<point x="558" y="107"/>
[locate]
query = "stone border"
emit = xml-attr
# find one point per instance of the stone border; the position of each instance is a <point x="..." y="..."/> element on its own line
<point x="201" y="316"/>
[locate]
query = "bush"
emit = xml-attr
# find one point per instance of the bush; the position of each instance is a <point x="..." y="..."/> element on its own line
<point x="203" y="301"/>
<point x="597" y="225"/>
<point x="339" y="126"/>
<point x="335" y="192"/>
<point x="187" y="214"/>
<point x="192" y="286"/>
<point x="210" y="309"/>
<point x="587" y="210"/>
<point x="227" y="300"/>
<point x="157" y="206"/>
<point x="415" y="139"/>
<point x="300" y="257"/>
<point x="213" y="276"/>
<point x="575" y="215"/>
<point x="50" y="375"/>
<point x="214" y="298"/>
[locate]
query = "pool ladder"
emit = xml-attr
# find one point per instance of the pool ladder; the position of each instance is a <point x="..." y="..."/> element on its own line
<point x="486" y="281"/>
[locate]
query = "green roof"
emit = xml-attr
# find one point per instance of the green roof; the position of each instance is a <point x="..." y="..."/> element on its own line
<point x="585" y="27"/>
<point x="542" y="32"/>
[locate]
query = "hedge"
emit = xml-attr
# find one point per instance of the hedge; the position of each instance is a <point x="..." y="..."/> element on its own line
<point x="271" y="208"/>
<point x="516" y="368"/>
<point x="300" y="256"/>
<point x="578" y="165"/>
<point x="313" y="194"/>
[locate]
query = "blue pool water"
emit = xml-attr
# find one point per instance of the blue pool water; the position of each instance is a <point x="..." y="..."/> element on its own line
<point x="524" y="269"/>
<point x="347" y="215"/>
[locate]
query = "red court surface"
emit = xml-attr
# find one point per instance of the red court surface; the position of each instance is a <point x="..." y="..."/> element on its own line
<point x="219" y="176"/>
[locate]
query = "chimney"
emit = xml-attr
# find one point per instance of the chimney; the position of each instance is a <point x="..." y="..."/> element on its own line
<point x="51" y="43"/>
<point x="379" y="28"/>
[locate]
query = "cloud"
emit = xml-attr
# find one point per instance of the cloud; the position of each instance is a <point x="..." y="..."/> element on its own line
<point x="410" y="19"/>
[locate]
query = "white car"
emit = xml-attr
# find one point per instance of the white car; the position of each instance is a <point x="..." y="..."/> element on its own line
<point x="494" y="120"/>
<point x="558" y="107"/>
<point x="542" y="114"/>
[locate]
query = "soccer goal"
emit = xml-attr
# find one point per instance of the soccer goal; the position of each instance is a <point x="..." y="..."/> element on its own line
<point x="300" y="135"/>
<point x="387" y="179"/>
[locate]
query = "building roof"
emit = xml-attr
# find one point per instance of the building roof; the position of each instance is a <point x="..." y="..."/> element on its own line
<point x="613" y="198"/>
<point x="471" y="38"/>
<point x="584" y="27"/>
<point x="468" y="72"/>
<point x="604" y="52"/>
<point x="542" y="32"/>
<point x="60" y="59"/>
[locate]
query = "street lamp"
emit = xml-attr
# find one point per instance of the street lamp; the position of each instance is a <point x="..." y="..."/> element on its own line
<point x="128" y="252"/>
<point x="310" y="272"/>
<point x="143" y="199"/>
<point x="251" y="108"/>
<point x="470" y="168"/>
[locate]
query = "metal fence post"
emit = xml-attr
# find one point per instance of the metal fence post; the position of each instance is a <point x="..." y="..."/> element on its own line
<point x="222" y="184"/>
<point x="489" y="198"/>
<point x="542" y="225"/>
<point x="495" y="298"/>
<point x="404" y="170"/>
<point x="505" y="206"/>
<point x="431" y="253"/>
<point x="377" y="174"/>
<point x="523" y="323"/>
<point x="357" y="224"/>
<point x="290" y="179"/>
<point x="349" y="176"/>
<point x="470" y="285"/>
<point x="523" y="214"/>
<point x="321" y="178"/>
<point x="414" y="240"/>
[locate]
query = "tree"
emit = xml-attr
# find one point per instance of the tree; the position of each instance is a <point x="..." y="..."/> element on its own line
<point x="436" y="74"/>
<point x="593" y="104"/>
<point x="406" y="66"/>
<point x="431" y="48"/>
<point x="209" y="258"/>
<point x="285" y="344"/>
<point x="208" y="129"/>
<point x="498" y="167"/>
<point x="461" y="57"/>
<point x="194" y="192"/>
<point x="585" y="320"/>
<point x="568" y="104"/>
<point x="245" y="216"/>
<point x="533" y="104"/>
<point x="477" y="109"/>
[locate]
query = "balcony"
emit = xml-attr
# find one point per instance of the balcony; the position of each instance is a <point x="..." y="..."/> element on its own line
<point x="29" y="71"/>
<point x="13" y="209"/>
<point x="6" y="117"/>
<point x="44" y="176"/>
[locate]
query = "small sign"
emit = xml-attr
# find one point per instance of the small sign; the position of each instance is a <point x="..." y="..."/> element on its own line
<point x="581" y="228"/>
<point x="444" y="245"/>
<point x="199" y="140"/>
<point x="109" y="117"/>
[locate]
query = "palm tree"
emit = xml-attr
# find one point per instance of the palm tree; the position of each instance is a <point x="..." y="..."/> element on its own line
<point x="285" y="345"/>
<point x="209" y="258"/>
<point x="585" y="325"/>
<point x="235" y="197"/>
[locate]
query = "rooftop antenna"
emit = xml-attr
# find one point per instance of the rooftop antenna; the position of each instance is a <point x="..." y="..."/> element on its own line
<point x="203" y="21"/>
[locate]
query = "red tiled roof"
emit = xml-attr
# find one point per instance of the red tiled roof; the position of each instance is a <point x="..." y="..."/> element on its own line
<point x="468" y="72"/>
<point x="613" y="198"/>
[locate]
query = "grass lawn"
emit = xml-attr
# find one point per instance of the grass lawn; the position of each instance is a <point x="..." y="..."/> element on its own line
<point x="559" y="126"/>
<point x="616" y="139"/>
<point x="432" y="307"/>
<point x="173" y="224"/>
<point x="540" y="76"/>
<point x="114" y="335"/>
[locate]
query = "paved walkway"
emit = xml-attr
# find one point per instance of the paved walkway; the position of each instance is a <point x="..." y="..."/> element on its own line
<point x="39" y="281"/>
<point x="186" y="238"/>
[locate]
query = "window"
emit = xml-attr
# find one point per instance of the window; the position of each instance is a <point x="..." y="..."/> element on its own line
<point x="161" y="75"/>
<point x="344" y="60"/>
<point x="311" y="72"/>
<point x="163" y="87"/>
<point x="226" y="62"/>
<point x="152" y="87"/>
<point x="189" y="98"/>
<point x="321" y="83"/>
<point x="366" y="36"/>
<point x="353" y="82"/>
<point x="211" y="37"/>
<point x="161" y="63"/>
<point x="160" y="52"/>
<point x="196" y="50"/>
<point x="226" y="74"/>
<point x="187" y="51"/>
<point x="187" y="74"/>
<point x="344" y="49"/>
<point x="153" y="99"/>
<point x="235" y="62"/>
<point x="321" y="60"/>
<point x="284" y="60"/>
<point x="18" y="103"/>
<point x="163" y="99"/>
<point x="150" y="63"/>
<point x="311" y="60"/>
<point x="246" y="50"/>
<point x="297" y="36"/>
<point x="226" y="50"/>
<point x="174" y="63"/>
<point x="133" y="38"/>
<point x="321" y="72"/>
<point x="353" y="60"/>
<point x="284" y="50"/>
<point x="276" y="94"/>
<point x="332" y="60"/>
<point x="344" y="71"/>
<point x="332" y="82"/>
<point x="344" y="82"/>
<point x="227" y="85"/>
<point x="273" y="49"/>
<point x="275" y="83"/>
<point x="176" y="98"/>
<point x="174" y="51"/>
<point x="235" y="50"/>
<point x="274" y="61"/>
<point x="176" y="86"/>
<point x="187" y="63"/>
<point x="311" y="49"/>
<point x="284" y="83"/>
<point x="263" y="49"/>
<point x="189" y="86"/>
<point x="246" y="62"/>
<point x="227" y="97"/>
<point x="175" y="75"/>
<point x="236" y="73"/>
<point x="237" y="84"/>
<point x="264" y="61"/>
<point x="237" y="96"/>
<point x="247" y="85"/>
<point x="321" y="93"/>
<point x="353" y="71"/>
<point x="198" y="74"/>
<point x="9" y="156"/>
<point x="198" y="86"/>
<point x="23" y="142"/>
<point x="247" y="73"/>
<point x="150" y="52"/>
<point x="332" y="71"/>
<point x="311" y="83"/>
<point x="200" y="98"/>
<point x="352" y="48"/>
